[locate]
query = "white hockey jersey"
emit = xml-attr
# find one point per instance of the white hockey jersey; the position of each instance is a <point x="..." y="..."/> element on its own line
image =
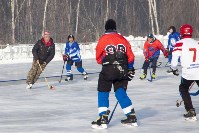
<point x="188" y="51"/>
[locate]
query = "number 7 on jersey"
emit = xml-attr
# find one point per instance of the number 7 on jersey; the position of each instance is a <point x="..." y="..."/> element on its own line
<point x="194" y="53"/>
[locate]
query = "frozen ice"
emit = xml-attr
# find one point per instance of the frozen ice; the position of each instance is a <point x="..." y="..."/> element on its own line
<point x="73" y="105"/>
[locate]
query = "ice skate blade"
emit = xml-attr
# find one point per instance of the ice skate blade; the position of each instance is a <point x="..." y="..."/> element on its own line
<point x="102" y="126"/>
<point x="191" y="119"/>
<point x="130" y="124"/>
<point x="29" y="87"/>
<point x="85" y="77"/>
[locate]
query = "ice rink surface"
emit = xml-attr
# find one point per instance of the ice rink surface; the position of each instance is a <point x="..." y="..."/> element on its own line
<point x="73" y="105"/>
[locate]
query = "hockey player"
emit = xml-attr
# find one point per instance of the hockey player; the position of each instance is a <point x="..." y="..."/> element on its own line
<point x="114" y="52"/>
<point x="152" y="49"/>
<point x="188" y="51"/>
<point x="43" y="52"/>
<point x="71" y="55"/>
<point x="173" y="38"/>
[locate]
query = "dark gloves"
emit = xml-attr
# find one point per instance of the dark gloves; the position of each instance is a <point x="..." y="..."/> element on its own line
<point x="131" y="74"/>
<point x="175" y="72"/>
<point x="167" y="50"/>
<point x="65" y="57"/>
<point x="147" y="59"/>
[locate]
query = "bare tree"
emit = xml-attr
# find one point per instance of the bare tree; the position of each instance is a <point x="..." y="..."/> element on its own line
<point x="151" y="16"/>
<point x="44" y="19"/>
<point x="23" y="21"/>
<point x="77" y="18"/>
<point x="153" y="4"/>
<point x="30" y="17"/>
<point x="107" y="10"/>
<point x="13" y="20"/>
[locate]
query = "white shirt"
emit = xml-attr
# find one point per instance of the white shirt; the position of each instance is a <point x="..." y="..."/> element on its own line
<point x="188" y="51"/>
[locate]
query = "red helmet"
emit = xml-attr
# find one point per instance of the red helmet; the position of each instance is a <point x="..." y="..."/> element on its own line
<point x="186" y="29"/>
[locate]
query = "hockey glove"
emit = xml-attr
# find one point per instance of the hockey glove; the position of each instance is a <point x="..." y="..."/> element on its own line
<point x="131" y="74"/>
<point x="37" y="62"/>
<point x="147" y="60"/>
<point x="65" y="57"/>
<point x="41" y="62"/>
<point x="166" y="54"/>
<point x="175" y="72"/>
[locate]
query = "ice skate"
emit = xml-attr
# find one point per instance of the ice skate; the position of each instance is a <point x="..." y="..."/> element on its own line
<point x="85" y="74"/>
<point x="69" y="77"/>
<point x="131" y="119"/>
<point x="143" y="76"/>
<point x="170" y="70"/>
<point x="29" y="86"/>
<point x="153" y="76"/>
<point x="190" y="115"/>
<point x="101" y="122"/>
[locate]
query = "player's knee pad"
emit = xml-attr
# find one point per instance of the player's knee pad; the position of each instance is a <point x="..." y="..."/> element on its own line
<point x="80" y="69"/>
<point x="122" y="98"/>
<point x="103" y="102"/>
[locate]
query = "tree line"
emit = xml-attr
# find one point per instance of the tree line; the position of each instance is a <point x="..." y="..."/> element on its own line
<point x="24" y="21"/>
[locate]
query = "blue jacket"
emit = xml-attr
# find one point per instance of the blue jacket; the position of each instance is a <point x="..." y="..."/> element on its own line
<point x="173" y="38"/>
<point x="73" y="51"/>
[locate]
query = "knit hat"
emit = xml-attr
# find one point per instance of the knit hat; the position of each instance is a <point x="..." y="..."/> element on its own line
<point x="110" y="25"/>
<point x="46" y="33"/>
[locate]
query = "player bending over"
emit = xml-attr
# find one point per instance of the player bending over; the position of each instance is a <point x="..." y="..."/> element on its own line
<point x="152" y="49"/>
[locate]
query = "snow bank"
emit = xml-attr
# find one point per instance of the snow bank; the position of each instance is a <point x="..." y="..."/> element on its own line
<point x="23" y="53"/>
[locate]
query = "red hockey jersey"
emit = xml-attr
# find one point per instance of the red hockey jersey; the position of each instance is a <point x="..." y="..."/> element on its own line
<point x="110" y="42"/>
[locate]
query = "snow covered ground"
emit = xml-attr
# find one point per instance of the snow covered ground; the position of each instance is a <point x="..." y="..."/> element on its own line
<point x="73" y="105"/>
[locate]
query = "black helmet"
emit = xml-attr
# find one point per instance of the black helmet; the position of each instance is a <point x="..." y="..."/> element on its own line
<point x="150" y="36"/>
<point x="71" y="36"/>
<point x="110" y="24"/>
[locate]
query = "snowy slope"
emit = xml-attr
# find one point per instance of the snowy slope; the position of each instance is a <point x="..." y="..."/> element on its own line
<point x="73" y="105"/>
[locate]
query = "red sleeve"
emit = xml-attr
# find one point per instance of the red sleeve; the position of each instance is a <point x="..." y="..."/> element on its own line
<point x="129" y="53"/>
<point x="161" y="47"/>
<point x="99" y="51"/>
<point x="178" y="46"/>
<point x="146" y="51"/>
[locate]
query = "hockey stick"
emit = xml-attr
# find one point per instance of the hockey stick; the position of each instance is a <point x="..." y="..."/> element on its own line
<point x="158" y="64"/>
<point x="194" y="94"/>
<point x="62" y="72"/>
<point x="166" y="64"/>
<point x="112" y="113"/>
<point x="150" y="74"/>
<point x="50" y="87"/>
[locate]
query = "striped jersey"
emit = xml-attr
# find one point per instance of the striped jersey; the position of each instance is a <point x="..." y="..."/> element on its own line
<point x="188" y="51"/>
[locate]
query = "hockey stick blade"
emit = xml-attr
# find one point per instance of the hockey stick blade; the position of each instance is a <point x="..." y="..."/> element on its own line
<point x="52" y="87"/>
<point x="178" y="103"/>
